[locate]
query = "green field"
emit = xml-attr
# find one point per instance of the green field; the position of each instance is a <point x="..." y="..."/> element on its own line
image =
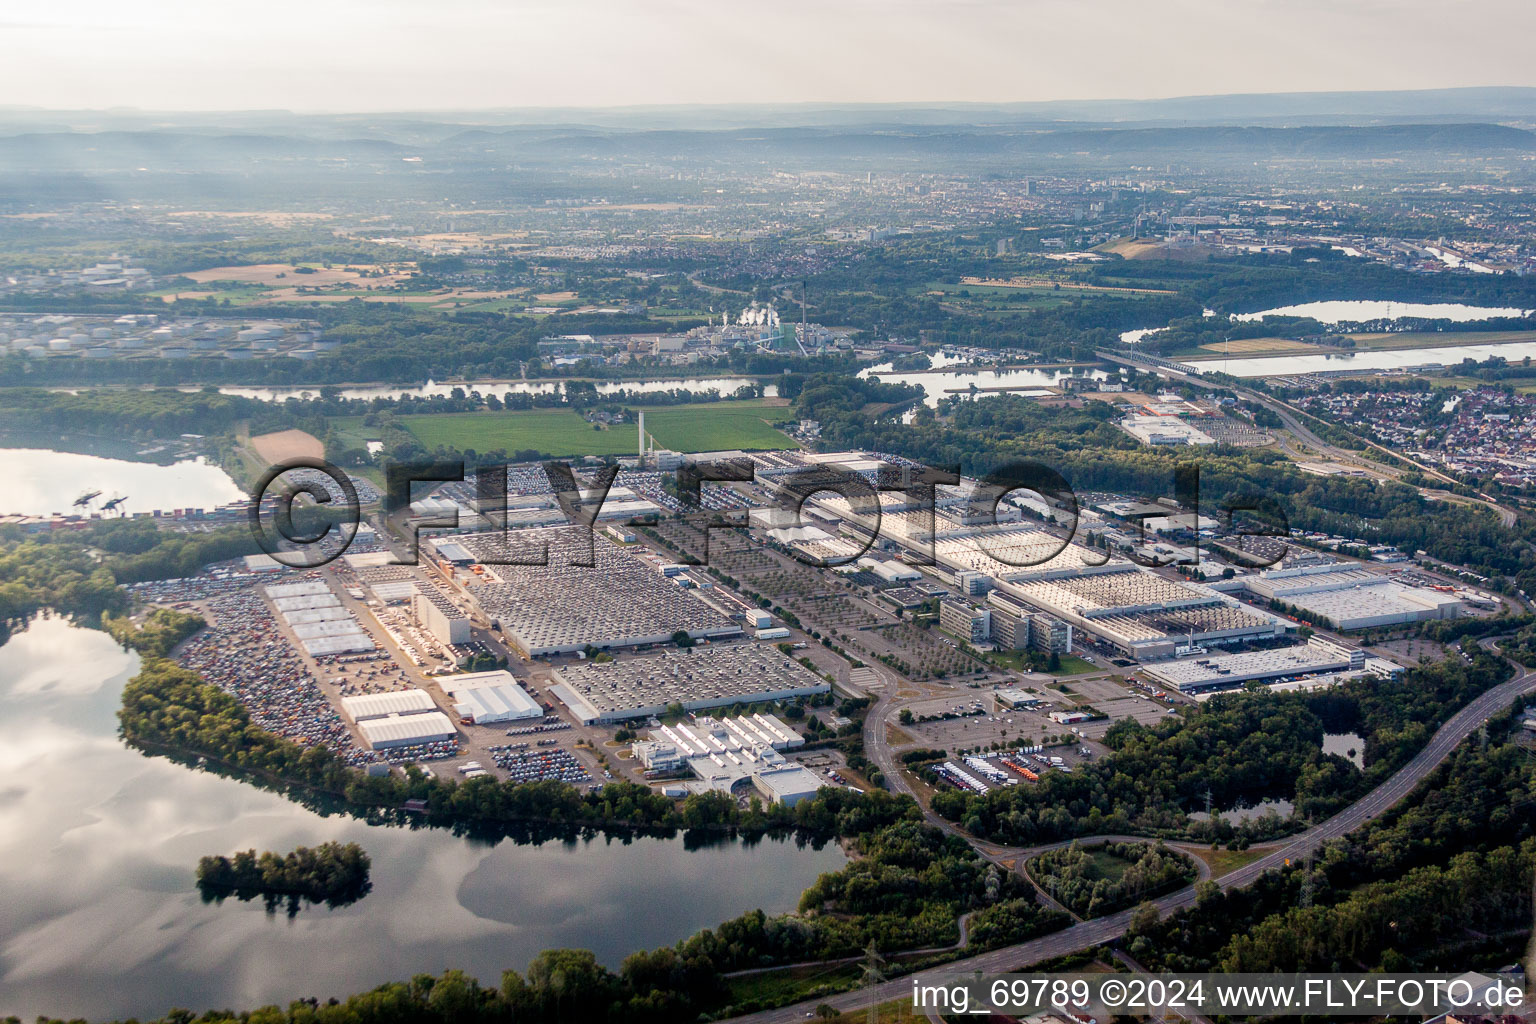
<point x="1439" y="339"/>
<point x="1018" y="661"/>
<point x="709" y="426"/>
<point x="1223" y="861"/>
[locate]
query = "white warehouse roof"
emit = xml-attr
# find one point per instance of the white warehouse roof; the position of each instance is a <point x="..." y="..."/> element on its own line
<point x="490" y="696"/>
<point x="290" y="604"/>
<point x="395" y="590"/>
<point x="278" y="590"/>
<point x="366" y="706"/>
<point x="406" y="730"/>
<point x="347" y="643"/>
<point x="329" y="627"/>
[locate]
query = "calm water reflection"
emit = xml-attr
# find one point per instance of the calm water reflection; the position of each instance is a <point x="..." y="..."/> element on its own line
<point x="432" y="389"/>
<point x="1365" y="359"/>
<point x="98" y="843"/>
<point x="39" y="482"/>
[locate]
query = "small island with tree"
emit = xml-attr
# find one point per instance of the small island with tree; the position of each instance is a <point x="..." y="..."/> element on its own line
<point x="335" y="874"/>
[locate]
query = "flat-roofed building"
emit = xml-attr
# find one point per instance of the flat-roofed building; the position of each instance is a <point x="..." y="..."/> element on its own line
<point x="723" y="753"/>
<point x="1227" y="671"/>
<point x="787" y="784"/>
<point x="969" y="623"/>
<point x="440" y="616"/>
<point x="1014" y="698"/>
<point x="487" y="697"/>
<point x="704" y="678"/>
<point x="1350" y="597"/>
<point x="1009" y="632"/>
<point x="1049" y="634"/>
<point x="562" y="606"/>
<point x="364" y="706"/>
<point x="407" y="730"/>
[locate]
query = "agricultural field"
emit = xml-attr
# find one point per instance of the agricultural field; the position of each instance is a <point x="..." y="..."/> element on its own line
<point x="708" y="426"/>
<point x="258" y="283"/>
<point x="1048" y="284"/>
<point x="715" y="426"/>
<point x="978" y="297"/>
<point x="1259" y="347"/>
<point x="1438" y="339"/>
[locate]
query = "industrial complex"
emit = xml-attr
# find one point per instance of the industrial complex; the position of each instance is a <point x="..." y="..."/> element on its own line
<point x="562" y="605"/>
<point x="699" y="679"/>
<point x="724" y="753"/>
<point x="603" y="653"/>
<point x="1352" y="598"/>
<point x="1318" y="661"/>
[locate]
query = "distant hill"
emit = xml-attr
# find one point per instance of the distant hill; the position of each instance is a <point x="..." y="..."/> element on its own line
<point x="61" y="156"/>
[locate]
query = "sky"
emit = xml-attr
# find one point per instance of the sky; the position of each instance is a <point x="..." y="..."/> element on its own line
<point x="359" y="55"/>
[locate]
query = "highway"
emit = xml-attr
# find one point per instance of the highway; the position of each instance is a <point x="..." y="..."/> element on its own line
<point x="1105" y="929"/>
<point x="1289" y="415"/>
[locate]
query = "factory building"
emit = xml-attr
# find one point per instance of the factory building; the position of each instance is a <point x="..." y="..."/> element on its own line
<point x="364" y="706"/>
<point x="1352" y="598"/>
<point x="889" y="571"/>
<point x="1318" y="657"/>
<point x="704" y="678"/>
<point x="564" y="606"/>
<point x="406" y="730"/>
<point x="1076" y="587"/>
<point x="317" y="619"/>
<point x="440" y="617"/>
<point x="483" y="698"/>
<point x="670" y="746"/>
<point x="728" y="752"/>
<point x="397" y="718"/>
<point x="1142" y="614"/>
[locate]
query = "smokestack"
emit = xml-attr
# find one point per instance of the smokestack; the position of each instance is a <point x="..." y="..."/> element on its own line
<point x="642" y="439"/>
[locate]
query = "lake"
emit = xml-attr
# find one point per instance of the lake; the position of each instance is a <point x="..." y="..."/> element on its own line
<point x="41" y="482"/>
<point x="1238" y="815"/>
<point x="1361" y="311"/>
<point x="1391" y="359"/>
<point x="98" y="844"/>
<point x="1347" y="745"/>
<point x="939" y="385"/>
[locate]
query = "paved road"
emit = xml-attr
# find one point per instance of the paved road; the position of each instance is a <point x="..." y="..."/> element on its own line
<point x="1105" y="929"/>
<point x="1289" y="416"/>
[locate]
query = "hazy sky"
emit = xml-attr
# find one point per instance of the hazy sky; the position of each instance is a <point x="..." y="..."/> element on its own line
<point x="425" y="54"/>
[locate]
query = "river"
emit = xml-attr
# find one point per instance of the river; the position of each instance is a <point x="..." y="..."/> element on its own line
<point x="98" y="845"/>
<point x="724" y="385"/>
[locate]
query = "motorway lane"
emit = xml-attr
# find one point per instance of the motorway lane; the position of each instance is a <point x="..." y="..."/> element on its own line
<point x="1104" y="929"/>
<point x="1288" y="415"/>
